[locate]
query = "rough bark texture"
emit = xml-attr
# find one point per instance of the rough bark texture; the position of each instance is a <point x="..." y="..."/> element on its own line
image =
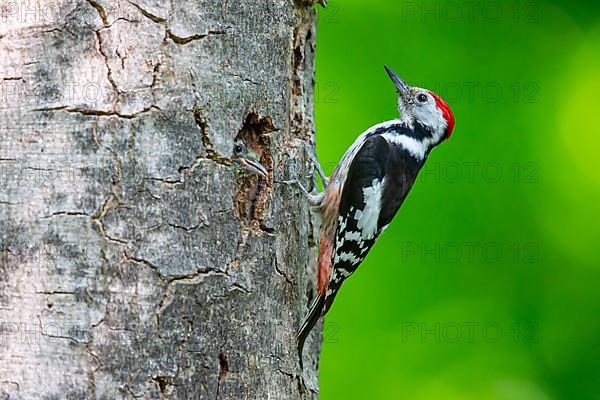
<point x="135" y="262"/>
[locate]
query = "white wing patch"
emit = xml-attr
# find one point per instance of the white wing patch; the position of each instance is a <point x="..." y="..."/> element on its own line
<point x="367" y="217"/>
<point x="353" y="236"/>
<point x="342" y="223"/>
<point x="346" y="256"/>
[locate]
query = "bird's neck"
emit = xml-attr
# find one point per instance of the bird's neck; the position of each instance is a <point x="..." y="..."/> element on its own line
<point x="417" y="139"/>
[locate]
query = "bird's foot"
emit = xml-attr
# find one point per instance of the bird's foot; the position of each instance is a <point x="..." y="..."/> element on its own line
<point x="316" y="164"/>
<point x="313" y="198"/>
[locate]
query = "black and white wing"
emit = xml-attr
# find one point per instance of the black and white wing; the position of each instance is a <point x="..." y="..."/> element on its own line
<point x="379" y="178"/>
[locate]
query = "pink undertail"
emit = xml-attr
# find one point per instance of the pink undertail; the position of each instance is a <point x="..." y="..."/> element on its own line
<point x="324" y="264"/>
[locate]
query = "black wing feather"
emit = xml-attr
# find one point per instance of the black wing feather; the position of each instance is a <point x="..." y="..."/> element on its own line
<point x="377" y="159"/>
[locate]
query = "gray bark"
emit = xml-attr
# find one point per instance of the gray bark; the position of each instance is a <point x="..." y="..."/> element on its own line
<point x="135" y="262"/>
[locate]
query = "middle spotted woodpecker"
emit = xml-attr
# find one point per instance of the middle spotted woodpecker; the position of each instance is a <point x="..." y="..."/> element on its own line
<point x="368" y="187"/>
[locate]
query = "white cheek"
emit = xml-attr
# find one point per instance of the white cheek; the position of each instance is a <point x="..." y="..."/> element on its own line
<point x="432" y="116"/>
<point x="404" y="112"/>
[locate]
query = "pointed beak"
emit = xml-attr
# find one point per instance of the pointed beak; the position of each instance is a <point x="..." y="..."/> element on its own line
<point x="252" y="166"/>
<point x="401" y="86"/>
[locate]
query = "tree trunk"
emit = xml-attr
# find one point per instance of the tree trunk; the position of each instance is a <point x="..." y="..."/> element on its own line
<point x="135" y="261"/>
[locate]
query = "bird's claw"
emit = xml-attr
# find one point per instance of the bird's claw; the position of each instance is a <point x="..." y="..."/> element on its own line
<point x="296" y="182"/>
<point x="293" y="172"/>
<point x="316" y="165"/>
<point x="314" y="197"/>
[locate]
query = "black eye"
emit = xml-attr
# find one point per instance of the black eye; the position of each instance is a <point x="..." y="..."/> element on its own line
<point x="238" y="148"/>
<point x="422" y="98"/>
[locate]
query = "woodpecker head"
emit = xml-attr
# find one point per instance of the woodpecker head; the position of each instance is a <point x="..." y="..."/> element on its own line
<point x="248" y="158"/>
<point x="424" y="107"/>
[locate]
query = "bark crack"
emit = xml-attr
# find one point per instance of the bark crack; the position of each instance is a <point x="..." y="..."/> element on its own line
<point x="51" y="336"/>
<point x="180" y="40"/>
<point x="100" y="11"/>
<point x="167" y="297"/>
<point x="9" y="203"/>
<point x="98" y="34"/>
<point x="193" y="276"/>
<point x="240" y="287"/>
<point x="66" y="213"/>
<point x="244" y="79"/>
<point x="281" y="273"/>
<point x="56" y="292"/>
<point x="107" y="237"/>
<point x="99" y="113"/>
<point x="212" y="154"/>
<point x="109" y="75"/>
<point x="149" y="15"/>
<point x="183" y="40"/>
<point x="149" y="264"/>
<point x="14" y="383"/>
<point x="184" y="228"/>
<point x="223" y="370"/>
<point x="166" y="181"/>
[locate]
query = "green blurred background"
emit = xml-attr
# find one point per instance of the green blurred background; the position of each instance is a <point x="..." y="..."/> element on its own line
<point x="486" y="285"/>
